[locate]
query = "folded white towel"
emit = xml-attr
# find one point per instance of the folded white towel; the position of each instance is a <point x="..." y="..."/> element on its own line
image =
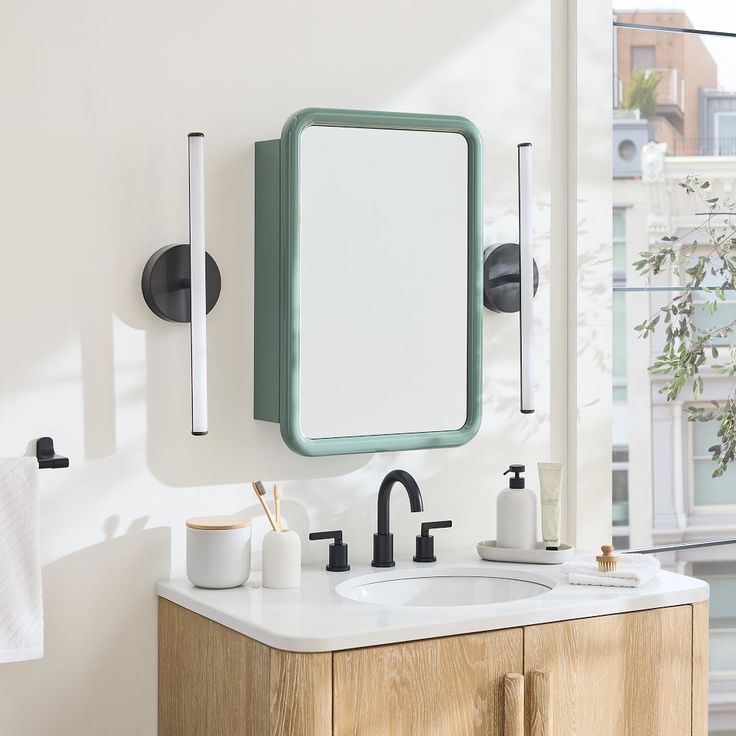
<point x="633" y="571"/>
<point x="21" y="604"/>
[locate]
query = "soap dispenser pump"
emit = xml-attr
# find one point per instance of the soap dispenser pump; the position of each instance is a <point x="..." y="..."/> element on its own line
<point x="516" y="513"/>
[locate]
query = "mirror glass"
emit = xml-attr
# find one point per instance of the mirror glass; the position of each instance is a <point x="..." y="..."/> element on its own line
<point x="383" y="274"/>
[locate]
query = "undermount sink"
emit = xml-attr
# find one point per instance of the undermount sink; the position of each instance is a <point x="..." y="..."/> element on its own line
<point x="438" y="587"/>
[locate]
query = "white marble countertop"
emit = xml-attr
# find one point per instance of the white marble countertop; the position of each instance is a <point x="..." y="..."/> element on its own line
<point x="314" y="618"/>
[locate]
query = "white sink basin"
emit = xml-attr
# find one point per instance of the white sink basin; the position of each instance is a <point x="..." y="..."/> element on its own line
<point x="443" y="587"/>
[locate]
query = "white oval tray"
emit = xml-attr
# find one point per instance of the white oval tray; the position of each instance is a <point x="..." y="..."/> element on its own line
<point x="540" y="556"/>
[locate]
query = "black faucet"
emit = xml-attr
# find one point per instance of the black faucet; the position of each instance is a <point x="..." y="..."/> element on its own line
<point x="383" y="540"/>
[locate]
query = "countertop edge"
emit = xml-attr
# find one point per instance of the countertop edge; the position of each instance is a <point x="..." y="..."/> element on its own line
<point x="377" y="637"/>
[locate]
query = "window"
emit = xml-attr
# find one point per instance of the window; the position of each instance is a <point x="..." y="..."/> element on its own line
<point x="704" y="319"/>
<point x="722" y="613"/>
<point x="620" y="423"/>
<point x="663" y="489"/>
<point x="643" y="57"/>
<point x="619" y="340"/>
<point x="619" y="305"/>
<point x="705" y="490"/>
<point x="619" y="244"/>
<point x="621" y="497"/>
<point x="724" y="130"/>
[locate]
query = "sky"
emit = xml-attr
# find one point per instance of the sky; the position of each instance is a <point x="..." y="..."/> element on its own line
<point x="708" y="15"/>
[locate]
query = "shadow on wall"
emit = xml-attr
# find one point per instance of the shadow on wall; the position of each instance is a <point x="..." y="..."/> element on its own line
<point x="100" y="627"/>
<point x="135" y="197"/>
<point x="145" y="208"/>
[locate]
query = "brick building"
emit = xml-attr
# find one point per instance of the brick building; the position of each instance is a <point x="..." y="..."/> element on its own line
<point x="685" y="69"/>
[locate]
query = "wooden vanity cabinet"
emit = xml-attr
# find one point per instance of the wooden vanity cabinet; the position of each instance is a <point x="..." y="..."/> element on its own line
<point x="452" y="685"/>
<point x="631" y="674"/>
<point x="213" y="681"/>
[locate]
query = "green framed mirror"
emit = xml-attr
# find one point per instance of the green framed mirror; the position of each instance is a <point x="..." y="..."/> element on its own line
<point x="368" y="268"/>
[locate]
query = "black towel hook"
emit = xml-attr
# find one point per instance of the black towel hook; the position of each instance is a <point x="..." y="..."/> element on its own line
<point x="46" y="455"/>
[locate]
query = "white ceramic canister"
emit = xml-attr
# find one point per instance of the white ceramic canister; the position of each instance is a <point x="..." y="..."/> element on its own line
<point x="282" y="559"/>
<point x="218" y="551"/>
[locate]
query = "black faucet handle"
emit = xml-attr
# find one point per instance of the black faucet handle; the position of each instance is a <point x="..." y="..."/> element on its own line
<point x="427" y="525"/>
<point x="338" y="560"/>
<point x="336" y="535"/>
<point x="425" y="541"/>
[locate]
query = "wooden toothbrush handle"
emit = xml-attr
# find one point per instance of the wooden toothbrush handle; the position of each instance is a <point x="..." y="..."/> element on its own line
<point x="266" y="510"/>
<point x="277" y="505"/>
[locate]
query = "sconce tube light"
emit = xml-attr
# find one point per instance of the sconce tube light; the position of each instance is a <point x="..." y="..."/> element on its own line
<point x="198" y="285"/>
<point x="526" y="278"/>
<point x="181" y="283"/>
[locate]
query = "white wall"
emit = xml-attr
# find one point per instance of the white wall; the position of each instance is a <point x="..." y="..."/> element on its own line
<point x="98" y="100"/>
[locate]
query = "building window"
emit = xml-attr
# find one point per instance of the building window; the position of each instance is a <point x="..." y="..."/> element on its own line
<point x="620" y="455"/>
<point x="704" y="319"/>
<point x="707" y="492"/>
<point x="722" y="580"/>
<point x="724" y="130"/>
<point x="619" y="304"/>
<point x="621" y="496"/>
<point x="643" y="57"/>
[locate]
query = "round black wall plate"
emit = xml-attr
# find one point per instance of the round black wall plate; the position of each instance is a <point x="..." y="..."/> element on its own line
<point x="501" y="290"/>
<point x="166" y="279"/>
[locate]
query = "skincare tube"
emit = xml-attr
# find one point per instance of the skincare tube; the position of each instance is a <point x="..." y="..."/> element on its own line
<point x="550" y="486"/>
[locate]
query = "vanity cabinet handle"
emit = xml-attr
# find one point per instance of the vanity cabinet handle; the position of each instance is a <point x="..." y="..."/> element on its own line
<point x="513" y="705"/>
<point x="540" y="698"/>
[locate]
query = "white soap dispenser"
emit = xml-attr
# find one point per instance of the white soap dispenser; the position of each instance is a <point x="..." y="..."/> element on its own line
<point x="516" y="513"/>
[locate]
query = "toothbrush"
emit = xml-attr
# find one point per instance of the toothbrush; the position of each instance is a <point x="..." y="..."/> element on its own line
<point x="260" y="491"/>
<point x="277" y="504"/>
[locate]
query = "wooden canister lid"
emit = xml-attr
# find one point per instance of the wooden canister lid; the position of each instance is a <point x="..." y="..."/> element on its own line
<point x="217" y="523"/>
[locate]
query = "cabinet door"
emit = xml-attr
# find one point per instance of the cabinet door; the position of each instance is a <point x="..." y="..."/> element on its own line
<point x="216" y="682"/>
<point x="436" y="687"/>
<point x="623" y="675"/>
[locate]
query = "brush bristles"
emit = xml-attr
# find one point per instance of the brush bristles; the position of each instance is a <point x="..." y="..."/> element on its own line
<point x="608" y="561"/>
<point x="607" y="565"/>
<point x="259" y="488"/>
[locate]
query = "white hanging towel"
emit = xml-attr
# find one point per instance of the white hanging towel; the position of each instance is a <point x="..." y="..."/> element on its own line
<point x="21" y="602"/>
<point x="633" y="570"/>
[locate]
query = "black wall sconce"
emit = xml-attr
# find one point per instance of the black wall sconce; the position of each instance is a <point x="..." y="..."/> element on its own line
<point x="182" y="283"/>
<point x="511" y="278"/>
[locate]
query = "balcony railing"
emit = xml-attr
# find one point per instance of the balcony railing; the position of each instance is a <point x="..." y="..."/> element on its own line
<point x="670" y="90"/>
<point x="703" y="147"/>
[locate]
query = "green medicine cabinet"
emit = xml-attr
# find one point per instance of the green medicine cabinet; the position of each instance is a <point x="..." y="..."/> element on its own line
<point x="368" y="281"/>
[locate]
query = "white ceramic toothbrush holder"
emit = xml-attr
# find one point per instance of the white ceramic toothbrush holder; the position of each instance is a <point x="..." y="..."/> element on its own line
<point x="218" y="551"/>
<point x="282" y="559"/>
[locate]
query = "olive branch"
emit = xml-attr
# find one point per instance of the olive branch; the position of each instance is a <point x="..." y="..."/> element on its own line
<point x="687" y="346"/>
